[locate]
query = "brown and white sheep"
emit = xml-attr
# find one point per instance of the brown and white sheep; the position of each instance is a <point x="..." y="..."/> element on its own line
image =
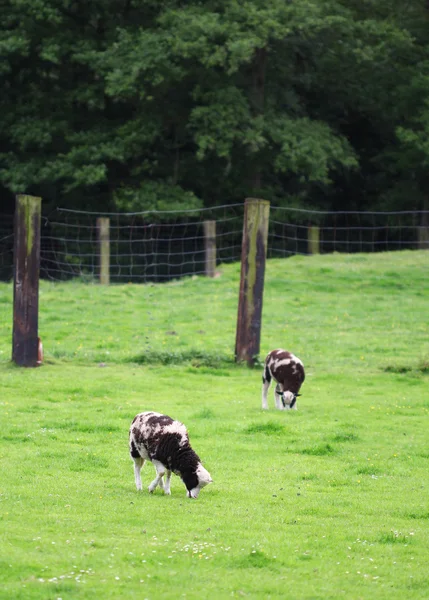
<point x="287" y="371"/>
<point x="165" y="442"/>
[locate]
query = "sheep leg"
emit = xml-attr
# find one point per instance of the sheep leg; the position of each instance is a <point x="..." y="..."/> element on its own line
<point x="266" y="382"/>
<point x="265" y="387"/>
<point x="167" y="483"/>
<point x="278" y="397"/>
<point x="160" y="470"/>
<point x="138" y="464"/>
<point x="278" y="401"/>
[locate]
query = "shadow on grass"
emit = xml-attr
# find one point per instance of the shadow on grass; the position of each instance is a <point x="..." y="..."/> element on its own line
<point x="196" y="358"/>
<point x="271" y="428"/>
<point x="422" y="367"/>
<point x="345" y="437"/>
<point x="205" y="413"/>
<point x="256" y="560"/>
<point x="394" y="537"/>
<point x="83" y="427"/>
<point x="320" y="450"/>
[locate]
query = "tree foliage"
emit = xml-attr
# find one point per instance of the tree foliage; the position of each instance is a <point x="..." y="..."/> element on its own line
<point x="137" y="104"/>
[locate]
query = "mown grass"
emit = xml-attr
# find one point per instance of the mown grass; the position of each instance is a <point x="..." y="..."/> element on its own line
<point x="329" y="501"/>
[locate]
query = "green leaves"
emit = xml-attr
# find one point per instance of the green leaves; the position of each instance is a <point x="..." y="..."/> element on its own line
<point x="155" y="195"/>
<point x="310" y="149"/>
<point x="223" y="121"/>
<point x="211" y="100"/>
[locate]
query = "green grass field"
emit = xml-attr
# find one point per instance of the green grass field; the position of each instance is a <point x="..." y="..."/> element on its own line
<point x="330" y="501"/>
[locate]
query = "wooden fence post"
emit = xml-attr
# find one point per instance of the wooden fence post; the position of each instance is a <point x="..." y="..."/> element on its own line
<point x="103" y="230"/>
<point x="314" y="239"/>
<point x="210" y="247"/>
<point x="253" y="257"/>
<point x="26" y="260"/>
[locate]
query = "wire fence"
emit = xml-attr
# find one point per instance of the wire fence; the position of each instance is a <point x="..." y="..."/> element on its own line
<point x="163" y="245"/>
<point x="345" y="231"/>
<point x="6" y="247"/>
<point x="143" y="246"/>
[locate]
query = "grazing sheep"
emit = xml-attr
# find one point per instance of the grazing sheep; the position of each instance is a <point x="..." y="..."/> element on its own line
<point x="288" y="372"/>
<point x="164" y="442"/>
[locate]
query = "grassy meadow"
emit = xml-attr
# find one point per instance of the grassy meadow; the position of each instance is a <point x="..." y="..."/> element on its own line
<point x="330" y="501"/>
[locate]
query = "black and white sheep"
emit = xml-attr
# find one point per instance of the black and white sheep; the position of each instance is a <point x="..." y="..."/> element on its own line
<point x="165" y="442"/>
<point x="287" y="371"/>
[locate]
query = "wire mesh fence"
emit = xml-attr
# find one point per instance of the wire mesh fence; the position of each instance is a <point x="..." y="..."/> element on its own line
<point x="6" y="247"/>
<point x="342" y="231"/>
<point x="144" y="246"/>
<point x="159" y="246"/>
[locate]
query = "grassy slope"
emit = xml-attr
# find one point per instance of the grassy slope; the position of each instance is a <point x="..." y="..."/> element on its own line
<point x="326" y="502"/>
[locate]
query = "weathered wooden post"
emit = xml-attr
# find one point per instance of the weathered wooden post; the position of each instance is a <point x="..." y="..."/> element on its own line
<point x="253" y="257"/>
<point x="103" y="230"/>
<point x="314" y="239"/>
<point x="25" y="344"/>
<point x="210" y="247"/>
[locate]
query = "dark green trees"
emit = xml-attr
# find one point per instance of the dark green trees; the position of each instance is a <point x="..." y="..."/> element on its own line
<point x="142" y="104"/>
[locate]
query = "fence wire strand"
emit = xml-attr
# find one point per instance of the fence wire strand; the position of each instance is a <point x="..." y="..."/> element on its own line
<point x="150" y="246"/>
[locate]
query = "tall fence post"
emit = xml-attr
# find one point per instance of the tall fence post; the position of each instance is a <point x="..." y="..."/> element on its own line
<point x="210" y="247"/>
<point x="253" y="258"/>
<point x="26" y="260"/>
<point x="314" y="239"/>
<point x="103" y="230"/>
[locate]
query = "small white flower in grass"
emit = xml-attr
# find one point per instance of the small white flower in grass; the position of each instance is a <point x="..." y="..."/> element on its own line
<point x="117" y="578"/>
